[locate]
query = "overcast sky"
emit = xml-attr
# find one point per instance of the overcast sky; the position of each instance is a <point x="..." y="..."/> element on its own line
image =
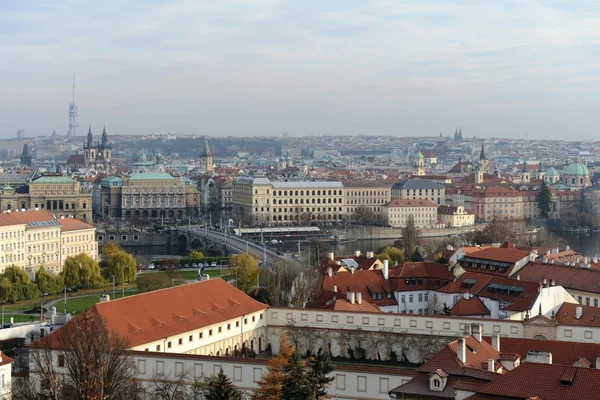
<point x="263" y="67"/>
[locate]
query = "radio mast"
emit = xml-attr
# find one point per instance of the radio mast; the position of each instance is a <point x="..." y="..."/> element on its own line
<point x="73" y="113"/>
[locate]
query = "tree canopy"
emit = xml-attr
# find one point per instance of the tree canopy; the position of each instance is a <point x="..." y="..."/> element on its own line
<point x="82" y="271"/>
<point x="392" y="254"/>
<point x="269" y="387"/>
<point x="220" y="387"/>
<point x="245" y="269"/>
<point x="195" y="256"/>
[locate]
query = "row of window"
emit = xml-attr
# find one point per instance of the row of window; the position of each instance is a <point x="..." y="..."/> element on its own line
<point x="190" y="338"/>
<point x="422" y="297"/>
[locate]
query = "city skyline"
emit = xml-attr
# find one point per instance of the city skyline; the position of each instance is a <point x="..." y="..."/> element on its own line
<point x="264" y="67"/>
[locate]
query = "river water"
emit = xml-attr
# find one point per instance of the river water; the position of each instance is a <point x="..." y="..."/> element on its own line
<point x="585" y="243"/>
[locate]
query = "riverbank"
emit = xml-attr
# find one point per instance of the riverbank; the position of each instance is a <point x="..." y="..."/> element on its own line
<point x="384" y="232"/>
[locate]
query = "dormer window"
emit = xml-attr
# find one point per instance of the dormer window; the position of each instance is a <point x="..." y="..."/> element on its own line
<point x="436" y="383"/>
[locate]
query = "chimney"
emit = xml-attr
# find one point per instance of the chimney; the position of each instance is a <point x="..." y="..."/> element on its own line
<point x="578" y="312"/>
<point x="477" y="330"/>
<point x="547" y="252"/>
<point x="552" y="261"/>
<point x="335" y="288"/>
<point x="595" y="259"/>
<point x="352" y="270"/>
<point x="351" y="297"/>
<point x="369" y="254"/>
<point x="461" y="350"/>
<point x="552" y="282"/>
<point x="597" y="362"/>
<point x="518" y="277"/>
<point x="567" y="248"/>
<point x="467" y="330"/>
<point x="491" y="364"/>
<point x="359" y="298"/>
<point x="540" y="357"/>
<point x="357" y="253"/>
<point x="329" y="272"/>
<point x="544" y="282"/>
<point x="386" y="269"/>
<point x="496" y="342"/>
<point x="332" y="256"/>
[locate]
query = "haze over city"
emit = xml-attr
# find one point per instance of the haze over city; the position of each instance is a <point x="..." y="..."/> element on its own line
<point x="263" y="67"/>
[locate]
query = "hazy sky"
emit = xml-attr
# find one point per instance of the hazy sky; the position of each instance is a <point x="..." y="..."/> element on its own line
<point x="263" y="67"/>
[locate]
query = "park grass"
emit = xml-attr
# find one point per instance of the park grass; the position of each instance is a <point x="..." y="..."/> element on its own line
<point x="21" y="318"/>
<point x="80" y="304"/>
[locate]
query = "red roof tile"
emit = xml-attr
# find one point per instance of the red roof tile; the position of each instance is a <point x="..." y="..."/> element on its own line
<point x="472" y="306"/>
<point x="567" y="315"/>
<point x="151" y="316"/>
<point x="72" y="224"/>
<point x="24" y="217"/>
<point x="548" y="381"/>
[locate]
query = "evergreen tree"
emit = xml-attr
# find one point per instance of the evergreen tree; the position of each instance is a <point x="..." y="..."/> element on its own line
<point x="220" y="388"/>
<point x="544" y="200"/>
<point x="296" y="385"/>
<point x="416" y="256"/>
<point x="320" y="368"/>
<point x="269" y="387"/>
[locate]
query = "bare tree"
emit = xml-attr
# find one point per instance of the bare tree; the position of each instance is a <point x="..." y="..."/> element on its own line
<point x="279" y="281"/>
<point x="434" y="305"/>
<point x="305" y="287"/>
<point x="82" y="360"/>
<point x="165" y="387"/>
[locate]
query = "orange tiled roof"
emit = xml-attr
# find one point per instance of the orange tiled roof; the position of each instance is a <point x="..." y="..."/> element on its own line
<point x="148" y="317"/>
<point x="72" y="224"/>
<point x="410" y="203"/>
<point x="468" y="307"/>
<point x="24" y="217"/>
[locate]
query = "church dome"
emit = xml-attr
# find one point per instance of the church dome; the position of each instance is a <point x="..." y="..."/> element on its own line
<point x="576" y="169"/>
<point x="551" y="172"/>
<point x="419" y="156"/>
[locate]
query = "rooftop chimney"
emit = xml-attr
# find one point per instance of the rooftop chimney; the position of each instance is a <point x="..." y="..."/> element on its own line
<point x="595" y="259"/>
<point x="477" y="330"/>
<point x="352" y="270"/>
<point x="335" y="288"/>
<point x="518" y="277"/>
<point x="461" y="350"/>
<point x="496" y="342"/>
<point x="552" y="261"/>
<point x="369" y="254"/>
<point x="329" y="272"/>
<point x="467" y="330"/>
<point x="545" y="282"/>
<point x="540" y="357"/>
<point x="597" y="362"/>
<point x="351" y="297"/>
<point x="386" y="269"/>
<point x="357" y="253"/>
<point x="491" y="364"/>
<point x="578" y="312"/>
<point x="331" y="256"/>
<point x="359" y="298"/>
<point x="567" y="247"/>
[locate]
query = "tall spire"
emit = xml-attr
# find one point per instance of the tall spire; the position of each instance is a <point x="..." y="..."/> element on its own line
<point x="482" y="154"/>
<point x="104" y="136"/>
<point x="89" y="135"/>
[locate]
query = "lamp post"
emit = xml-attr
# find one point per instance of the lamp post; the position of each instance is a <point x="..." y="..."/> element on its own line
<point x="113" y="286"/>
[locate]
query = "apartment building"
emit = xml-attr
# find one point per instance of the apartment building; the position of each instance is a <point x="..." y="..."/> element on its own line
<point x="419" y="189"/>
<point x="260" y="200"/>
<point x="491" y="201"/>
<point x="397" y="212"/>
<point x="455" y="216"/>
<point x="32" y="238"/>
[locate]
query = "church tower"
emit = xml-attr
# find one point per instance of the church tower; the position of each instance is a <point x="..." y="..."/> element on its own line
<point x="484" y="163"/>
<point x="419" y="164"/>
<point x="206" y="158"/>
<point x="525" y="176"/>
<point x="478" y="174"/>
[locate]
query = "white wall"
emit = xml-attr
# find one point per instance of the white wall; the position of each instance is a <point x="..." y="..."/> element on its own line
<point x="350" y="382"/>
<point x="248" y="328"/>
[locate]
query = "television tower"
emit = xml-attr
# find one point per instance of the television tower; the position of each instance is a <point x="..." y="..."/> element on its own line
<point x="73" y="113"/>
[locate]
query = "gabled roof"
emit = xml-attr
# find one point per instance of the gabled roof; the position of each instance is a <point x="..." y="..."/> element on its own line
<point x="408" y="203"/>
<point x="469" y="307"/>
<point x="567" y="314"/>
<point x="152" y="316"/>
<point x="415" y="184"/>
<point x="548" y="381"/>
<point x="30" y="217"/>
<point x="367" y="282"/>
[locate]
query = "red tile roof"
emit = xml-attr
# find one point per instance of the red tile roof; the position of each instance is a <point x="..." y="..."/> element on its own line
<point x="564" y="353"/>
<point x="471" y="307"/>
<point x="24" y="217"/>
<point x="567" y="313"/>
<point x="507" y="255"/>
<point x="577" y="278"/>
<point x="367" y="282"/>
<point x="73" y="224"/>
<point x="548" y="381"/>
<point x="152" y="316"/>
<point x="5" y="359"/>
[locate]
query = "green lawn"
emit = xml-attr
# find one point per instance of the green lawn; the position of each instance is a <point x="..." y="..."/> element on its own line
<point x="20" y="317"/>
<point x="80" y="304"/>
<point x="193" y="275"/>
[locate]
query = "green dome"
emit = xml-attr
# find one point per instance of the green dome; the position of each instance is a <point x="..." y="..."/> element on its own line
<point x="419" y="156"/>
<point x="551" y="172"/>
<point x="576" y="169"/>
